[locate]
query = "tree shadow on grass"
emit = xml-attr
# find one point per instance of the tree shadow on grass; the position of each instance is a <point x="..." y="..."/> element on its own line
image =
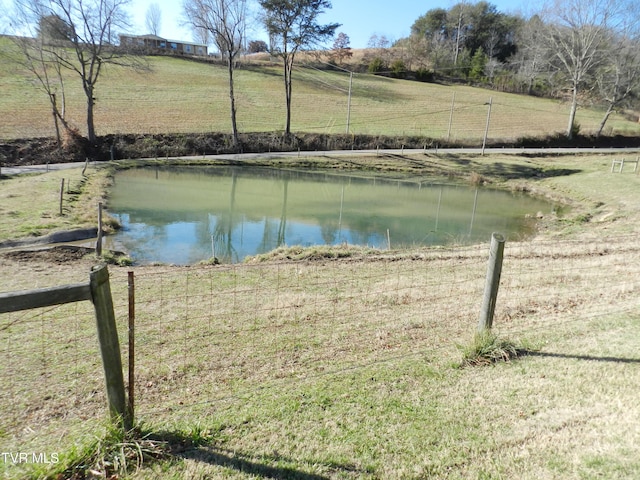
<point x="508" y="171"/>
<point x="512" y="172"/>
<point x="180" y="446"/>
<point x="463" y="166"/>
<point x="533" y="353"/>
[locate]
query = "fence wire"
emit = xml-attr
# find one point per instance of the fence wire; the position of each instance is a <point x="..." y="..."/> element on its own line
<point x="52" y="378"/>
<point x="322" y="104"/>
<point x="211" y="334"/>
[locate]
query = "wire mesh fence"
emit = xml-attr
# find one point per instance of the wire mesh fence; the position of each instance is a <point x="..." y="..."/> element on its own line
<point x="52" y="377"/>
<point x="209" y="335"/>
<point x="218" y="333"/>
<point x="566" y="283"/>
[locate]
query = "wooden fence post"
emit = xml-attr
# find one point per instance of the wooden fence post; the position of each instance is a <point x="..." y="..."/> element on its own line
<point x="494" y="270"/>
<point x="109" y="345"/>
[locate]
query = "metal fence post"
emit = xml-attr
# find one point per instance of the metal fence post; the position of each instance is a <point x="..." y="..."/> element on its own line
<point x="99" y="239"/>
<point x="494" y="270"/>
<point x="132" y="355"/>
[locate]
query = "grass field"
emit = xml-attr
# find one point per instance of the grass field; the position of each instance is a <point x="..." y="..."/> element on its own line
<point x="348" y="368"/>
<point x="180" y="96"/>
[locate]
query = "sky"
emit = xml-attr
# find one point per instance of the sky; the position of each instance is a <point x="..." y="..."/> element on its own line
<point x="359" y="19"/>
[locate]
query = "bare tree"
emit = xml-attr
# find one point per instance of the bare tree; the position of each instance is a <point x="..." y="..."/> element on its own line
<point x="618" y="79"/>
<point x="341" y="48"/>
<point x="153" y="19"/>
<point x="79" y="36"/>
<point x="32" y="55"/>
<point x="225" y="20"/>
<point x="292" y="25"/>
<point x="201" y="35"/>
<point x="577" y="33"/>
<point x="531" y="59"/>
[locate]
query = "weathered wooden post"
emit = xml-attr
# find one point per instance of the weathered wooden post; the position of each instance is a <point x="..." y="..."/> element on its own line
<point x="109" y="345"/>
<point x="494" y="270"/>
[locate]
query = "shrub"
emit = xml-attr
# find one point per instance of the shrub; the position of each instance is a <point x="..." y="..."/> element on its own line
<point x="575" y="129"/>
<point x="424" y="75"/>
<point x="376" y="65"/>
<point x="398" y="69"/>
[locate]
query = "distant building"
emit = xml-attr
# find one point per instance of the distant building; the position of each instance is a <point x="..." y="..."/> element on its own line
<point x="156" y="44"/>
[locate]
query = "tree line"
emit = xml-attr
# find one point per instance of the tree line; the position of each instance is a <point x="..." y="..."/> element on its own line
<point x="584" y="50"/>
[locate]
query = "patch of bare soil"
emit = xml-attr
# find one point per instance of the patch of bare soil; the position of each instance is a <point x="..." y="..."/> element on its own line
<point x="60" y="255"/>
<point x="29" y="151"/>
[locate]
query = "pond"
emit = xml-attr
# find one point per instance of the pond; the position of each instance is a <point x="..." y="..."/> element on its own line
<point x="183" y="215"/>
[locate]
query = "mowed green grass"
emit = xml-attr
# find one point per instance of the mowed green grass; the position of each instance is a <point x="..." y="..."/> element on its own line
<point x="175" y="95"/>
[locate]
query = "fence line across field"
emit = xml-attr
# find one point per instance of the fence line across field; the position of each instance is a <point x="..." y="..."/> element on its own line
<point x="418" y="305"/>
<point x="210" y="334"/>
<point x="441" y="116"/>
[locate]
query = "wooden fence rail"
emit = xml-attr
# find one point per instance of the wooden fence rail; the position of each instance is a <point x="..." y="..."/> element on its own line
<point x="98" y="290"/>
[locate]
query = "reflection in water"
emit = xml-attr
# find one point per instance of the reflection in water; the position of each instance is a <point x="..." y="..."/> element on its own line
<point x="184" y="215"/>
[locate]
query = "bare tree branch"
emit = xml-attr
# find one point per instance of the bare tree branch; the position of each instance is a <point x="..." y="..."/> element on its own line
<point x="225" y="21"/>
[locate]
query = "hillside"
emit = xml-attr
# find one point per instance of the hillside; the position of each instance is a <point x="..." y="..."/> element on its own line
<point x="180" y="96"/>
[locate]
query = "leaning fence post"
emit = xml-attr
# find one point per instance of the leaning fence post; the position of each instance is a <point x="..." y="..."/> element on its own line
<point x="492" y="282"/>
<point x="109" y="345"/>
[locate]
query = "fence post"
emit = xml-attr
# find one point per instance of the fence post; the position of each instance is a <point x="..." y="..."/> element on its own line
<point x="486" y="130"/>
<point x="61" y="194"/>
<point x="132" y="342"/>
<point x="99" y="239"/>
<point x="109" y="345"/>
<point x="492" y="282"/>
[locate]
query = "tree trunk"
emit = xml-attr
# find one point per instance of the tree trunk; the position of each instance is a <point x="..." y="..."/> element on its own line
<point x="91" y="131"/>
<point x="232" y="100"/>
<point x="455" y="57"/>
<point x="572" y="112"/>
<point x="288" y="67"/>
<point x="604" y="119"/>
<point x="54" y="112"/>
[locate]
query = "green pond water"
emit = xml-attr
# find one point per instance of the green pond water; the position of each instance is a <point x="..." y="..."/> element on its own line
<point x="182" y="215"/>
